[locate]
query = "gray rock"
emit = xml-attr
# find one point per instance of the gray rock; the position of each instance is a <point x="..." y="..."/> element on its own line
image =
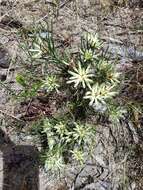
<point x="3" y="74"/>
<point x="125" y="53"/>
<point x="4" y="59"/>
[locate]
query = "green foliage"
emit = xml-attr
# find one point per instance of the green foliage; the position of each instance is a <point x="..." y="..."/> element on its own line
<point x="116" y="113"/>
<point x="21" y="80"/>
<point x="30" y="86"/>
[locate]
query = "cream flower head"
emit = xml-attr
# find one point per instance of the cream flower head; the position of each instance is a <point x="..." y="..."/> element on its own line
<point x="81" y="76"/>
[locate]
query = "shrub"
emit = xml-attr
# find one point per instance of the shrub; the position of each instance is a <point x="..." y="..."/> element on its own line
<point x="90" y="81"/>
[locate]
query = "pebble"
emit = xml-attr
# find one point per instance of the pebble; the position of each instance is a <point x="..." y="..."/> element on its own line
<point x="3" y="74"/>
<point x="4" y="59"/>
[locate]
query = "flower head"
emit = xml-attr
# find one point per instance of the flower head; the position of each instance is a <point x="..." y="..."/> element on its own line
<point x="99" y="93"/>
<point x="61" y="129"/>
<point x="54" y="161"/>
<point x="87" y="55"/>
<point x="78" y="155"/>
<point x="81" y="76"/>
<point x="107" y="72"/>
<point x="50" y="83"/>
<point x="93" y="40"/>
<point x="36" y="51"/>
<point x="80" y="132"/>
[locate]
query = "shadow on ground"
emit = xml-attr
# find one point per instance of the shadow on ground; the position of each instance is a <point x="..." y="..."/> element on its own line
<point x="20" y="165"/>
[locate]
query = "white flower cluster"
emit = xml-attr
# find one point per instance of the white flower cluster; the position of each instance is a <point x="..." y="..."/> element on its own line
<point x="94" y="73"/>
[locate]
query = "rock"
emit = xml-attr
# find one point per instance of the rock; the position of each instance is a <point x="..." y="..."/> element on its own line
<point x="124" y="52"/>
<point x="3" y="74"/>
<point x="20" y="167"/>
<point x="4" y="59"/>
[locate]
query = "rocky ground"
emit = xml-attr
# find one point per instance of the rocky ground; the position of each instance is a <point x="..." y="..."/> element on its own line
<point x="117" y="163"/>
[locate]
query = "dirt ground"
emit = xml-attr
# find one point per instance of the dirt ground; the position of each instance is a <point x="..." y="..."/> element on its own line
<point x="117" y="22"/>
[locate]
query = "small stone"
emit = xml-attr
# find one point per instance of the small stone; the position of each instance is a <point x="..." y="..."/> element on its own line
<point x="3" y="74"/>
<point x="4" y="60"/>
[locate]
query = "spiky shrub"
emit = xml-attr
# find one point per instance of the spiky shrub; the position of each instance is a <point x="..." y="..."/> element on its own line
<point x="89" y="79"/>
